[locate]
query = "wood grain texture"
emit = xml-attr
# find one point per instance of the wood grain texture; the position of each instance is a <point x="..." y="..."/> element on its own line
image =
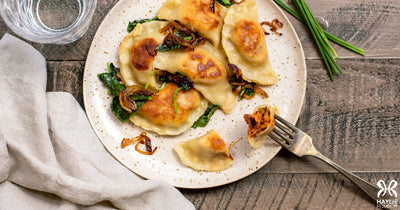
<point x="66" y="77"/>
<point x="288" y="191"/>
<point x="355" y="120"/>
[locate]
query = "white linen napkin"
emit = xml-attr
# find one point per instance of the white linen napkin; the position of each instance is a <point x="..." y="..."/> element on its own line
<point x="50" y="158"/>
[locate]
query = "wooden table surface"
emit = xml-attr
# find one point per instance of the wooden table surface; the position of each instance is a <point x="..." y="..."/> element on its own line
<point x="354" y="120"/>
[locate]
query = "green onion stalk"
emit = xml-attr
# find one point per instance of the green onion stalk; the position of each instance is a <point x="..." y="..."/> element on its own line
<point x="320" y="36"/>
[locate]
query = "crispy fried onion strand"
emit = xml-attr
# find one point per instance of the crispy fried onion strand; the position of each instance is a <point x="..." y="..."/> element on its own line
<point x="274" y="25"/>
<point x="239" y="84"/>
<point x="127" y="102"/>
<point x="173" y="28"/>
<point x="141" y="139"/>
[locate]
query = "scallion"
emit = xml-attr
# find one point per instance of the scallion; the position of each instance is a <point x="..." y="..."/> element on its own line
<point x="327" y="51"/>
<point x="328" y="35"/>
<point x="175" y="95"/>
<point x="320" y="36"/>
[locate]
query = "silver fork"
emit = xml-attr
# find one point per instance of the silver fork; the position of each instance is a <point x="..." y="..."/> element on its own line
<point x="300" y="144"/>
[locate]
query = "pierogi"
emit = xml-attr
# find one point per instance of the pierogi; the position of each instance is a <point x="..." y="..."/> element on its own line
<point x="137" y="52"/>
<point x="244" y="43"/>
<point x="206" y="67"/>
<point x="162" y="116"/>
<point x="260" y="123"/>
<point x="207" y="153"/>
<point x="197" y="16"/>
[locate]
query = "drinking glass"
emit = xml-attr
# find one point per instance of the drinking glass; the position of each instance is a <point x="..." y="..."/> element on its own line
<point x="48" y="21"/>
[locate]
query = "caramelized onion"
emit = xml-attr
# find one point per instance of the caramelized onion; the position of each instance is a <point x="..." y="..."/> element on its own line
<point x="274" y="25"/>
<point x="127" y="102"/>
<point x="144" y="139"/>
<point x="180" y="80"/>
<point x="127" y="141"/>
<point x="237" y="75"/>
<point x="258" y="90"/>
<point x="239" y="84"/>
<point x="173" y="27"/>
<point x="141" y="139"/>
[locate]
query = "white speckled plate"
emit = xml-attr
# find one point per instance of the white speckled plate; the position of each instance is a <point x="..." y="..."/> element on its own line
<point x="288" y="94"/>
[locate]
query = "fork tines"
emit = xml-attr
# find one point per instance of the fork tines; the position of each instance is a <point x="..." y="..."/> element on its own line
<point x="283" y="131"/>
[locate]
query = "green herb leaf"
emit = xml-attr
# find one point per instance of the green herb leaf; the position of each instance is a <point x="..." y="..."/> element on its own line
<point x="133" y="24"/>
<point x="175" y="94"/>
<point x="185" y="86"/>
<point x="225" y="3"/>
<point x="110" y="80"/>
<point x="121" y="113"/>
<point x="165" y="47"/>
<point x="187" y="37"/>
<point x="118" y="111"/>
<point x="112" y="68"/>
<point x="115" y="86"/>
<point x="205" y="118"/>
<point x="247" y="91"/>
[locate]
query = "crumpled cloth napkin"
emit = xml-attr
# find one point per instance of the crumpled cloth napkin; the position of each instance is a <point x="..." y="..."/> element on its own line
<point x="50" y="158"/>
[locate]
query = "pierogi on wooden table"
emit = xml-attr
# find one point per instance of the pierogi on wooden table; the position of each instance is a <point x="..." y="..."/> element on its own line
<point x="232" y="35"/>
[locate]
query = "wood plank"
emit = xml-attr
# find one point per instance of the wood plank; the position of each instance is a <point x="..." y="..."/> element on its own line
<point x="371" y="25"/>
<point x="355" y="118"/>
<point x="288" y="191"/>
<point x="66" y="77"/>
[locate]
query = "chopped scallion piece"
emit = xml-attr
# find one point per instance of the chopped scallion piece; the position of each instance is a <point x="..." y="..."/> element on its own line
<point x="175" y="94"/>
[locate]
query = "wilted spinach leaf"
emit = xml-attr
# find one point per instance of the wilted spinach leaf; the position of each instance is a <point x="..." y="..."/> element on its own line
<point x="166" y="47"/>
<point x="205" y="118"/>
<point x="118" y="111"/>
<point x="247" y="91"/>
<point x="133" y="24"/>
<point x="111" y="81"/>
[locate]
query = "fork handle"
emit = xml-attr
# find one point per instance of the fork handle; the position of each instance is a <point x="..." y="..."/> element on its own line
<point x="371" y="189"/>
